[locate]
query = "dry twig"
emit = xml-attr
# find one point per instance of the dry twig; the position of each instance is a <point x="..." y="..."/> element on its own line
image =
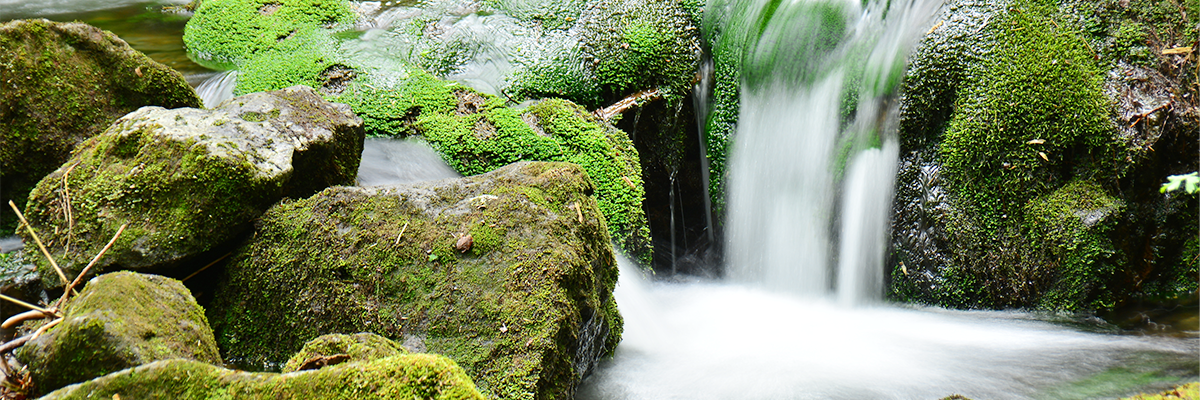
<point x="39" y="242"/>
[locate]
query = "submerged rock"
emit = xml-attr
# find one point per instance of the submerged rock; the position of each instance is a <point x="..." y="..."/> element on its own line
<point x="188" y="180"/>
<point x="1019" y="186"/>
<point x="411" y="376"/>
<point x="62" y="83"/>
<point x="118" y="321"/>
<point x="527" y="311"/>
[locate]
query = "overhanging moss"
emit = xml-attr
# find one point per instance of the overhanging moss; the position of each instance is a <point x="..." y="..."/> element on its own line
<point x="223" y="32"/>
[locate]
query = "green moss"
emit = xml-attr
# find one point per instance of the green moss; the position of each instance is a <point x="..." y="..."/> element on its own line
<point x="358" y="347"/>
<point x="641" y="45"/>
<point x="229" y="31"/>
<point x="119" y="321"/>
<point x="1076" y="220"/>
<point x="300" y="60"/>
<point x="66" y="82"/>
<point x="1036" y="118"/>
<point x="414" y="376"/>
<point x="507" y="315"/>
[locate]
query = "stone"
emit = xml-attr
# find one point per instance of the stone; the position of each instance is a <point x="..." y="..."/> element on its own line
<point x="187" y="181"/>
<point x="357" y="347"/>
<point x="411" y="376"/>
<point x="60" y="84"/>
<point x="528" y="311"/>
<point x="118" y="321"/>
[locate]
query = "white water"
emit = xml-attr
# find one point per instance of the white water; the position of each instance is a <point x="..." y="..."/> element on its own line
<point x="710" y="340"/>
<point x="395" y="161"/>
<point x="800" y="316"/>
<point x="217" y="88"/>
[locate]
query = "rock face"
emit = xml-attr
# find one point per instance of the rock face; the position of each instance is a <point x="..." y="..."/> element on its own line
<point x="338" y="348"/>
<point x="118" y="321"/>
<point x="1019" y="185"/>
<point x="526" y="309"/>
<point x="188" y="180"/>
<point x="412" y="376"/>
<point x="61" y="84"/>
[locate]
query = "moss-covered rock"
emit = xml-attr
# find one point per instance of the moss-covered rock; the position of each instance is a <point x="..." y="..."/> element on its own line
<point x="510" y="274"/>
<point x="188" y="180"/>
<point x="1020" y="186"/>
<point x="1187" y="391"/>
<point x="413" y="376"/>
<point x="224" y="32"/>
<point x="64" y="83"/>
<point x="118" y="321"/>
<point x="343" y="348"/>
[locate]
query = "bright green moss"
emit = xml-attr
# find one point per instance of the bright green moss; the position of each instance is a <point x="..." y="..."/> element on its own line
<point x="1076" y="220"/>
<point x="301" y="60"/>
<point x="641" y="45"/>
<point x="224" y="32"/>
<point x="394" y="111"/>
<point x="1035" y="118"/>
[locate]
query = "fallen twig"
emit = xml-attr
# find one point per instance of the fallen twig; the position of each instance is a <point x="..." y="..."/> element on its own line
<point x="633" y="100"/>
<point x="206" y="267"/>
<point x="27" y="305"/>
<point x="44" y="328"/>
<point x="39" y="242"/>
<point x="25" y="316"/>
<point x="12" y="344"/>
<point x="400" y="235"/>
<point x="67" y="291"/>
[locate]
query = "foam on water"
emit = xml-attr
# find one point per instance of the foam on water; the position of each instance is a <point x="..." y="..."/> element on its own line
<point x="392" y="161"/>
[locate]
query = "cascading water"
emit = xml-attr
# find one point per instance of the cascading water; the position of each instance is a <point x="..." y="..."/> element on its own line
<point x="217" y="88"/>
<point x="810" y="191"/>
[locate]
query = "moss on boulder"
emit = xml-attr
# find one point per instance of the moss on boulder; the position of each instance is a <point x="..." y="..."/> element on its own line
<point x="509" y="273"/>
<point x="1027" y="178"/>
<point x="225" y="32"/>
<point x="412" y="376"/>
<point x="64" y="83"/>
<point x="119" y="320"/>
<point x="188" y="180"/>
<point x="356" y="347"/>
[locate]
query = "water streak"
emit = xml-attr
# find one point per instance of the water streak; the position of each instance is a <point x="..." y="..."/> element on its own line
<point x="395" y="161"/>
<point x="218" y="88"/>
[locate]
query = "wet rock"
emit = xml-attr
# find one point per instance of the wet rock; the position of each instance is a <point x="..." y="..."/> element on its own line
<point x="338" y="348"/>
<point x="224" y="32"/>
<point x="61" y="84"/>
<point x="527" y="311"/>
<point x="119" y="320"/>
<point x="187" y="180"/>
<point x="1019" y="186"/>
<point x="412" y="376"/>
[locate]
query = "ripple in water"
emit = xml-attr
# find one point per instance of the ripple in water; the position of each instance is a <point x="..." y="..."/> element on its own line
<point x="391" y="161"/>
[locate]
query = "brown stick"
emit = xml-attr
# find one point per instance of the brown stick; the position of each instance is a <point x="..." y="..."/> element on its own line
<point x="22" y="317"/>
<point x="67" y="291"/>
<point x="206" y="267"/>
<point x="39" y="242"/>
<point x="67" y="208"/>
<point x="26" y="305"/>
<point x="625" y="104"/>
<point x="44" y="328"/>
<point x="15" y="343"/>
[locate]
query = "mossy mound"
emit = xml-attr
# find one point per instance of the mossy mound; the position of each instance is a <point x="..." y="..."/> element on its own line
<point x="118" y="321"/>
<point x="64" y="83"/>
<point x="343" y="348"/>
<point x="413" y="376"/>
<point x="224" y="32"/>
<point x="510" y="274"/>
<point x="1020" y="186"/>
<point x="186" y="180"/>
<point x="1187" y="391"/>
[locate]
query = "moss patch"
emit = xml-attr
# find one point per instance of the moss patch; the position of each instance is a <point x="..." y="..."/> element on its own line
<point x="224" y="32"/>
<point x="515" y="316"/>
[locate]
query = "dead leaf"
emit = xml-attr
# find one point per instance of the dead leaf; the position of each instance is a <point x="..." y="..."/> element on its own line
<point x="1043" y="155"/>
<point x="321" y="361"/>
<point x="1036" y="141"/>
<point x="1178" y="50"/>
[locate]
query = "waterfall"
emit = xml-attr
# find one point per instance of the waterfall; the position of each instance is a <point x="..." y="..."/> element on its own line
<point x="217" y="88"/>
<point x="813" y="160"/>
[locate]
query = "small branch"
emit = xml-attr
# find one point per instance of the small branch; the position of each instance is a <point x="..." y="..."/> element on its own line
<point x="1147" y="113"/>
<point x="400" y="235"/>
<point x="22" y="317"/>
<point x="13" y="344"/>
<point x="26" y="305"/>
<point x="67" y="291"/>
<point x="625" y="104"/>
<point x="39" y="242"/>
<point x="44" y="328"/>
<point x="206" y="267"/>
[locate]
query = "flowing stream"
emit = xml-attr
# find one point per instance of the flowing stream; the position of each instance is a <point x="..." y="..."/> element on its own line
<point x="799" y="314"/>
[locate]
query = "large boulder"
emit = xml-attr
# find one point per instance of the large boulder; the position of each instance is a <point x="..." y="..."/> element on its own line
<point x="411" y="376"/>
<point x="187" y="180"/>
<point x="118" y="321"/>
<point x="1035" y="136"/>
<point x="64" y="83"/>
<point x="510" y="274"/>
